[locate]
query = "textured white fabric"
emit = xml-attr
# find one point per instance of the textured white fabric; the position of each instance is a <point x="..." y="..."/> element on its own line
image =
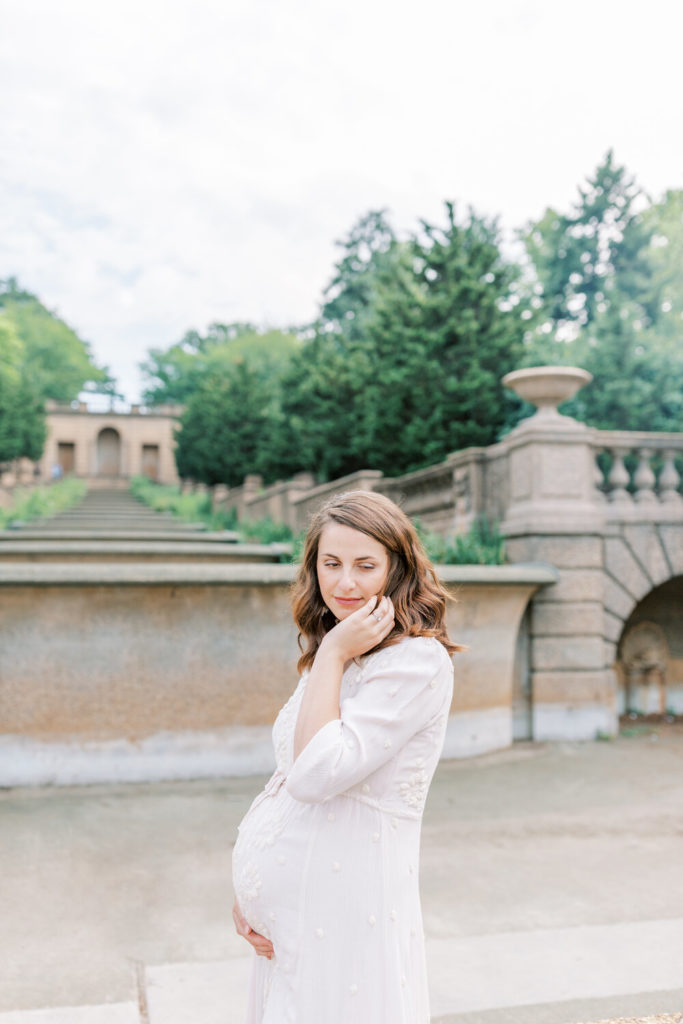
<point x="326" y="862"/>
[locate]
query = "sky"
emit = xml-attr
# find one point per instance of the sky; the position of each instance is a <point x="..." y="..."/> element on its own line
<point x="165" y="164"/>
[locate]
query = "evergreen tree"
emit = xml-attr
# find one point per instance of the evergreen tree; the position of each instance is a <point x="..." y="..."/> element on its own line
<point x="225" y="428"/>
<point x="446" y="327"/>
<point x="611" y="282"/>
<point x="348" y="298"/>
<point x="596" y="255"/>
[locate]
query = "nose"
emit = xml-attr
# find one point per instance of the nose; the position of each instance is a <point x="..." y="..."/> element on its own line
<point x="347" y="582"/>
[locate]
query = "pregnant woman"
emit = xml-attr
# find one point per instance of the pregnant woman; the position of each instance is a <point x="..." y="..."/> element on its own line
<point x="325" y="868"/>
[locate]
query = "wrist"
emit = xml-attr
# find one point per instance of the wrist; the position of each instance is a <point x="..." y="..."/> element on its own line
<point x="329" y="652"/>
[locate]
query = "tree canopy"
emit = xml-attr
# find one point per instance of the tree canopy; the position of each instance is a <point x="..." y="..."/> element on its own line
<point x="22" y="420"/>
<point x="40" y="358"/>
<point x="609" y="275"/>
<point x="404" y="362"/>
<point x="57" y="363"/>
<point x="174" y="374"/>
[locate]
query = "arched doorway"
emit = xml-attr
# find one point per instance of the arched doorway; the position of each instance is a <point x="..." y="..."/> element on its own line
<point x="108" y="452"/>
<point x="650" y="653"/>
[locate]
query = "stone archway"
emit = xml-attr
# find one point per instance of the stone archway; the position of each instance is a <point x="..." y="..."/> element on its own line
<point x="108" y="452"/>
<point x="650" y="652"/>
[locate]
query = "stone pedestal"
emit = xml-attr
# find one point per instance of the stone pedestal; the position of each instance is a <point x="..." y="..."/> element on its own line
<point x="556" y="515"/>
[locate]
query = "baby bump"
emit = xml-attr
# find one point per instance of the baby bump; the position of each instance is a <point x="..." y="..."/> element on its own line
<point x="267" y="863"/>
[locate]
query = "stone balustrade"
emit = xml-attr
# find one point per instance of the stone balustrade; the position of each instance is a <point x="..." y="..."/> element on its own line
<point x="643" y="473"/>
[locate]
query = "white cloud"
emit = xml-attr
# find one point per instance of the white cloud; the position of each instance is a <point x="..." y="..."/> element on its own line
<point x="167" y="164"/>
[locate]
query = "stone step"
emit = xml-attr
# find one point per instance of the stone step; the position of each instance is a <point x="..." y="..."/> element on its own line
<point x="213" y="992"/>
<point x="130" y="523"/>
<point x="471" y="976"/>
<point x="147" y="551"/>
<point x="119" y="534"/>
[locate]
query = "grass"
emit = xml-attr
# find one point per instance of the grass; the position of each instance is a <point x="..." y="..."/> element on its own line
<point x="196" y="508"/>
<point x="39" y="502"/>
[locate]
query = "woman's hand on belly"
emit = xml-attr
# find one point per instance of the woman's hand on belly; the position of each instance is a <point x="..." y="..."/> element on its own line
<point x="262" y="945"/>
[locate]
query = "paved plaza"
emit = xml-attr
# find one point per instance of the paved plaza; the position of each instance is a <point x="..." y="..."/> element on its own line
<point x="552" y="887"/>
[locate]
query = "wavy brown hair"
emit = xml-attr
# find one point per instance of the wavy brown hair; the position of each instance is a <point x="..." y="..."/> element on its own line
<point x="418" y="597"/>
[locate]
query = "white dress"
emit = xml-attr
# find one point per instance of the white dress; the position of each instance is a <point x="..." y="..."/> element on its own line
<point x="326" y="861"/>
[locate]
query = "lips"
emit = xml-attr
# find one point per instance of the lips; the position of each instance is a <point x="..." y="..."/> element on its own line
<point x="348" y="600"/>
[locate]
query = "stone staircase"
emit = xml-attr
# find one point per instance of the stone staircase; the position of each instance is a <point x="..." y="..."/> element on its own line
<point x="111" y="525"/>
<point x="111" y="513"/>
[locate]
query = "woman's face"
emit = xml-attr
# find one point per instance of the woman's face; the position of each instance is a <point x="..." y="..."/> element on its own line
<point x="351" y="567"/>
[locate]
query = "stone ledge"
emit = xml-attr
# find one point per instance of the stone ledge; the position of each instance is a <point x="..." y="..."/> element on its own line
<point x="231" y="574"/>
<point x="662" y="1018"/>
<point x="39" y="550"/>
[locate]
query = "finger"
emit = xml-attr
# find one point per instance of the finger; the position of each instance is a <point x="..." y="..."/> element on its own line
<point x="264" y="948"/>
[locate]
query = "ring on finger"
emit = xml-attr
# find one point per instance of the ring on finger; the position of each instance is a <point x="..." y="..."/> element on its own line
<point x="377" y="615"/>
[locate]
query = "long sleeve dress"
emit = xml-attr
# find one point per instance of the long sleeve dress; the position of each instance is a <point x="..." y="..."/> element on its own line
<point x="327" y="857"/>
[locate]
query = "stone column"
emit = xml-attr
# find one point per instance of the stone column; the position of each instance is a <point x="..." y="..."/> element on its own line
<point x="555" y="514"/>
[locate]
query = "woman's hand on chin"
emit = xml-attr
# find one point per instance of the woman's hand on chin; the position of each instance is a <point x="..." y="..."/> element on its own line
<point x="362" y="630"/>
<point x="262" y="945"/>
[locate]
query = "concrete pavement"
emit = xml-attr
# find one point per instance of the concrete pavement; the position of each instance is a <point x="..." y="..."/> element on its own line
<point x="551" y="880"/>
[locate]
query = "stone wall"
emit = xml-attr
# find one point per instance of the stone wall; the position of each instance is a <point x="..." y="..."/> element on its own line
<point x="151" y="671"/>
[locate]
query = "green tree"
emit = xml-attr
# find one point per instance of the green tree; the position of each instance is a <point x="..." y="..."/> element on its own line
<point x="441" y="323"/>
<point x="174" y="374"/>
<point x="610" y="278"/>
<point x="664" y="223"/>
<point x="225" y="428"/>
<point x="22" y="418"/>
<point x="367" y="250"/>
<point x="319" y="401"/>
<point x="56" y="362"/>
<point x="446" y="326"/>
<point x="594" y="256"/>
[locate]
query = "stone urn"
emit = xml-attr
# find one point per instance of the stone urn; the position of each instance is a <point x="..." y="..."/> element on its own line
<point x="546" y="387"/>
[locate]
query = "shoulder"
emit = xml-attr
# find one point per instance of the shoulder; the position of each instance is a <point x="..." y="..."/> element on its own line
<point x="422" y="656"/>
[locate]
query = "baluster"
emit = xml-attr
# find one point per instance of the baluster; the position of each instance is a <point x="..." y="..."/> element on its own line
<point x="644" y="478"/>
<point x="669" y="479"/>
<point x="618" y="477"/>
<point x="599" y="485"/>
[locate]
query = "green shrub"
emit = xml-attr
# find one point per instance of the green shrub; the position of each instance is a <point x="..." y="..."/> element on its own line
<point x="191" y="508"/>
<point x="481" y="545"/>
<point x="264" y="531"/>
<point x="39" y="502"/>
<point x="196" y="508"/>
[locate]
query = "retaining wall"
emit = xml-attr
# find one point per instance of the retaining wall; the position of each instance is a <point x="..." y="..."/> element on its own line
<point x="117" y="671"/>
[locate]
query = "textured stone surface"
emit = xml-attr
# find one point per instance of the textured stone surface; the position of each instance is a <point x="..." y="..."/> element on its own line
<point x="644" y="541"/>
<point x="574" y="585"/>
<point x="672" y="540"/>
<point x="157" y="655"/>
<point x="614" y="626"/>
<point x="577" y="687"/>
<point x="568" y="618"/>
<point x="617" y="600"/>
<point x="568" y="653"/>
<point x="621" y="564"/>
<point x="563" y="552"/>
